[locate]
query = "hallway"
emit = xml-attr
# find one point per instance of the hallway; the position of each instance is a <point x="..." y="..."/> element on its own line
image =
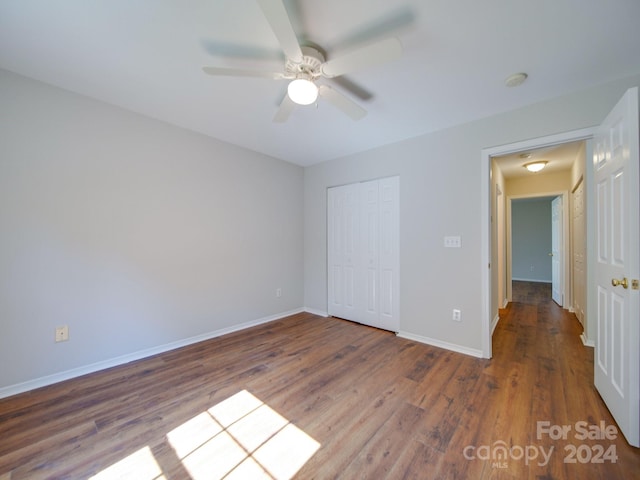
<point x="537" y="346"/>
<point x="530" y="292"/>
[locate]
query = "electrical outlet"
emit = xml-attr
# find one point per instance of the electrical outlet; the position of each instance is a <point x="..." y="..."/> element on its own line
<point x="457" y="316"/>
<point x="278" y="292"/>
<point x="62" y="333"/>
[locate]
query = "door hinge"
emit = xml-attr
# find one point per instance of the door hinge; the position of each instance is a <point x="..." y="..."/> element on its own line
<point x="635" y="284"/>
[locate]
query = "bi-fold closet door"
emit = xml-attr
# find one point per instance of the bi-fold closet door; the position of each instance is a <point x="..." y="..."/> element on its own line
<point x="363" y="253"/>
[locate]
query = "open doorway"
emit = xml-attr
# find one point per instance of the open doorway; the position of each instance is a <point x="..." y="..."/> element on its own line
<point x="536" y="273"/>
<point x="538" y="223"/>
<point x="611" y="252"/>
<point x="565" y="156"/>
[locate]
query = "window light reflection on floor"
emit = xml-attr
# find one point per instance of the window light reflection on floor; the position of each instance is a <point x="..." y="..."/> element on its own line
<point x="141" y="465"/>
<point x="246" y="439"/>
<point x="241" y="437"/>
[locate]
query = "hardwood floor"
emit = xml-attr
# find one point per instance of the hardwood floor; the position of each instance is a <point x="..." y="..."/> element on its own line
<point x="530" y="292"/>
<point x="330" y="398"/>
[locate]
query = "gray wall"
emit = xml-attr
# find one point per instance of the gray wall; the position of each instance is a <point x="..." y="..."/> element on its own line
<point x="138" y="234"/>
<point x="531" y="239"/>
<point x="440" y="194"/>
<point x="133" y="232"/>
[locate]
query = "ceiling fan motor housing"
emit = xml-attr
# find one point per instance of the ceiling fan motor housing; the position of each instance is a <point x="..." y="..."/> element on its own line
<point x="312" y="59"/>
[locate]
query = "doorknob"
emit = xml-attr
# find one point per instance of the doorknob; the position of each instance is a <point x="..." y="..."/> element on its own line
<point x="615" y="282"/>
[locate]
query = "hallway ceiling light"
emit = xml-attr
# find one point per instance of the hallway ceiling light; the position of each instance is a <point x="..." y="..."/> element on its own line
<point x="535" y="166"/>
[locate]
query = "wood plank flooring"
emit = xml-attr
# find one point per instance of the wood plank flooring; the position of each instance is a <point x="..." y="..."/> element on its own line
<point x="530" y="292"/>
<point x="335" y="400"/>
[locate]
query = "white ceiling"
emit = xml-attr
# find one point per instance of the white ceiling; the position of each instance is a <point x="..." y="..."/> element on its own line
<point x="147" y="55"/>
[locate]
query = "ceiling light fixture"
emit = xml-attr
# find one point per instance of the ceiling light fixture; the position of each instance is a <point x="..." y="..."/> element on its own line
<point x="302" y="91"/>
<point x="535" y="166"/>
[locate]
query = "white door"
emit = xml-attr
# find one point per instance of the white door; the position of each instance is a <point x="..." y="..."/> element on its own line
<point x="363" y="253"/>
<point x="556" y="251"/>
<point x="368" y="271"/>
<point x="389" y="259"/>
<point x="617" y="361"/>
<point x="343" y="238"/>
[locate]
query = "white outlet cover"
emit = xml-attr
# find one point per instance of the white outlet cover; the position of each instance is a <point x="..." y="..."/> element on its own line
<point x="62" y="334"/>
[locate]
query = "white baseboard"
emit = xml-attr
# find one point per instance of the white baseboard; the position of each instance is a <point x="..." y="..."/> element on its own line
<point x="114" y="362"/>
<point x="533" y="280"/>
<point x="586" y="342"/>
<point x="320" y="313"/>
<point x="494" y="323"/>
<point x="439" y="343"/>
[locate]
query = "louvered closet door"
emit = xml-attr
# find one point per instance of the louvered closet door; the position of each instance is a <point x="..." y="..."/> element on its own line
<point x="363" y="258"/>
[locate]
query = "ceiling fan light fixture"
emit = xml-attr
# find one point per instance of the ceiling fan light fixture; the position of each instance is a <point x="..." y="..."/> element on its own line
<point x="535" y="166"/>
<point x="302" y="91"/>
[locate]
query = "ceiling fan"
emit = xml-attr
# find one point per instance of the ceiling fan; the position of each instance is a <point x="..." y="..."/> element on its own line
<point x="305" y="64"/>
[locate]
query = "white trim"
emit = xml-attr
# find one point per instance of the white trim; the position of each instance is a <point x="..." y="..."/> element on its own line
<point x="114" y="362"/>
<point x="320" y="313"/>
<point x="474" y="352"/>
<point x="485" y="206"/>
<point x="494" y="324"/>
<point x="530" y="280"/>
<point x="485" y="254"/>
<point x="586" y="342"/>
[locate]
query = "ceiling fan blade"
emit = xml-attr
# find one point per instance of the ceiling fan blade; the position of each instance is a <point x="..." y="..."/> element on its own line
<point x="335" y="98"/>
<point x="239" y="72"/>
<point x="281" y="25"/>
<point x="392" y="24"/>
<point x="352" y="87"/>
<point x="284" y="110"/>
<point x="364" y="57"/>
<point x="236" y="50"/>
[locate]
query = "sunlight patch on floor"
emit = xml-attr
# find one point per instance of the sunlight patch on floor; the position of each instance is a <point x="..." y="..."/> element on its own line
<point x="141" y="465"/>
<point x="239" y="438"/>
<point x="243" y="438"/>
